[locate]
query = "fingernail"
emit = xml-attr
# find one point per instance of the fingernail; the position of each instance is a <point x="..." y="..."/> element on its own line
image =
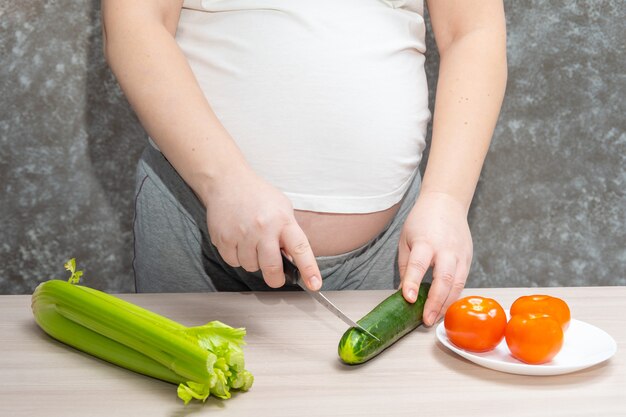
<point x="315" y="282"/>
<point x="412" y="295"/>
<point x="431" y="318"/>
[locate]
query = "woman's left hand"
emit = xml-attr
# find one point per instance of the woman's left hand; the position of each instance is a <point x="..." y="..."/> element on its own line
<point x="436" y="233"/>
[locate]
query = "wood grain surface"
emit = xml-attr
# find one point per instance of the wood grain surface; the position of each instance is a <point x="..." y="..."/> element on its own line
<point x="292" y="352"/>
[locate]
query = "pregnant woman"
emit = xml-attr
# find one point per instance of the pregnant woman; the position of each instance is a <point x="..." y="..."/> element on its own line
<point x="297" y="126"/>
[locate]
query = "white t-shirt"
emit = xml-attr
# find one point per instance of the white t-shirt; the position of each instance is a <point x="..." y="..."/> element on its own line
<point x="327" y="99"/>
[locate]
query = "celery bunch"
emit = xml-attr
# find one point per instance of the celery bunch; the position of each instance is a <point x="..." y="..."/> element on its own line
<point x="204" y="360"/>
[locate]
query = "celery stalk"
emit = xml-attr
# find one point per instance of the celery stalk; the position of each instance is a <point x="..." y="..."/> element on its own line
<point x="204" y="360"/>
<point x="102" y="347"/>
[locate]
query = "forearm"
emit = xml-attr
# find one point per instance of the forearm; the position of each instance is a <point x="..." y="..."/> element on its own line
<point x="163" y="91"/>
<point x="470" y="89"/>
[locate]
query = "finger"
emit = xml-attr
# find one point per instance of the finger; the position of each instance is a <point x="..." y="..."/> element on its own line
<point x="229" y="255"/>
<point x="460" y="277"/>
<point x="226" y="246"/>
<point x="417" y="264"/>
<point x="403" y="257"/>
<point x="271" y="263"/>
<point x="248" y="256"/>
<point x="296" y="245"/>
<point x="444" y="277"/>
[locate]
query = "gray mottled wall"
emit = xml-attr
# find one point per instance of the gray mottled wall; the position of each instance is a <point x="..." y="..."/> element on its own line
<point x="550" y="208"/>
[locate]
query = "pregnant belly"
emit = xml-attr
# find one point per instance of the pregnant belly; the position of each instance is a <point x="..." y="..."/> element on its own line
<point x="336" y="233"/>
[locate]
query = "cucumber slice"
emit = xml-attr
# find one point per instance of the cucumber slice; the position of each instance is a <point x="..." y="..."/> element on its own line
<point x="389" y="321"/>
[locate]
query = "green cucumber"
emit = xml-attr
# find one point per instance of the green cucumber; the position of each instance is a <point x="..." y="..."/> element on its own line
<point x="388" y="321"/>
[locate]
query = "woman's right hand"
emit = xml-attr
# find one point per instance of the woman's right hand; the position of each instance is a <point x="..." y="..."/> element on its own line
<point x="250" y="221"/>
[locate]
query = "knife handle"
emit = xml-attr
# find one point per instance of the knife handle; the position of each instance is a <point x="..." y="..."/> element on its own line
<point x="291" y="271"/>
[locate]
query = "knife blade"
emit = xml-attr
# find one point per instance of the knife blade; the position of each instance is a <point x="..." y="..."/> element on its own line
<point x="293" y="277"/>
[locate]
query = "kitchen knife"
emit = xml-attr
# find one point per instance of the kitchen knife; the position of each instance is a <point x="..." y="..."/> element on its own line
<point x="292" y="276"/>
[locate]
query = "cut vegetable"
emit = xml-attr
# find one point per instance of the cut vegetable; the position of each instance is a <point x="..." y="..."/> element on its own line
<point x="388" y="321"/>
<point x="204" y="360"/>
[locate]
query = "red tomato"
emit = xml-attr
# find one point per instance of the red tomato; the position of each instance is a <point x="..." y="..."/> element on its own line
<point x="534" y="338"/>
<point x="475" y="323"/>
<point x="543" y="304"/>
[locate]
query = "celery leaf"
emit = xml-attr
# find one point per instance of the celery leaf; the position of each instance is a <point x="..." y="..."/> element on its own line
<point x="214" y="334"/>
<point x="225" y="362"/>
<point x="190" y="390"/>
<point x="76" y="275"/>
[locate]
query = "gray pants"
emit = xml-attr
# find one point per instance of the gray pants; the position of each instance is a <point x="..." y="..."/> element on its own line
<point x="173" y="250"/>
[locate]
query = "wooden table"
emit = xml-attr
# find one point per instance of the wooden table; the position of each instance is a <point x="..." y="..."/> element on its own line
<point x="292" y="352"/>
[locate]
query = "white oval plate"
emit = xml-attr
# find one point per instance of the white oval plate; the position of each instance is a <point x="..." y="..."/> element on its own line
<point x="584" y="345"/>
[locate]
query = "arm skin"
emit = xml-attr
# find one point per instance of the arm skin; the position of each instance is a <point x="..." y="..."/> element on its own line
<point x="249" y="220"/>
<point x="471" y="38"/>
